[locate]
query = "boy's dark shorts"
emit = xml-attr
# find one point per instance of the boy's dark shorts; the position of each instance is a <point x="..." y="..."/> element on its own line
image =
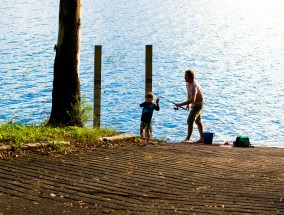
<point x="195" y="114"/>
<point x="147" y="125"/>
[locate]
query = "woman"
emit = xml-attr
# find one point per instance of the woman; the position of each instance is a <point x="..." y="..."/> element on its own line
<point x="195" y="98"/>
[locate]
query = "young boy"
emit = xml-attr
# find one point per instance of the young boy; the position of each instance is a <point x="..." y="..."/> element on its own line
<point x="147" y="113"/>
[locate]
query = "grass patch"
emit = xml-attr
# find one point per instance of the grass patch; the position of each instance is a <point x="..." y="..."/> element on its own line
<point x="16" y="135"/>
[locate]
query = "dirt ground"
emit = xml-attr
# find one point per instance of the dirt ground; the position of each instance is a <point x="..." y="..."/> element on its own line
<point x="153" y="179"/>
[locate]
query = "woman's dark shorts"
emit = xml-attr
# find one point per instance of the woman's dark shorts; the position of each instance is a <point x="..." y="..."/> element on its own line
<point x="195" y="114"/>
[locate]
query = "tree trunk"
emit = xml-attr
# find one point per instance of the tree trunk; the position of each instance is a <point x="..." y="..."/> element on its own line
<point x="66" y="99"/>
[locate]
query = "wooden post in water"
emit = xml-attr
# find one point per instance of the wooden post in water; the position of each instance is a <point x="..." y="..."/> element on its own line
<point x="148" y="69"/>
<point x="97" y="87"/>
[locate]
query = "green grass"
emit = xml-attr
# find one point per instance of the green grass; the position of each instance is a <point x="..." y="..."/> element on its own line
<point x="17" y="135"/>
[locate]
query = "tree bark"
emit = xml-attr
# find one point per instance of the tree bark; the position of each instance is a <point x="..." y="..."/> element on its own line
<point x="66" y="99"/>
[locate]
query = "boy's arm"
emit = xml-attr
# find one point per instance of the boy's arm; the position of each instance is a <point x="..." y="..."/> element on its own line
<point x="142" y="104"/>
<point x="157" y="107"/>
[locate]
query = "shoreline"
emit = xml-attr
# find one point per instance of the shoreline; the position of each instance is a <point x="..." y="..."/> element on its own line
<point x="120" y="140"/>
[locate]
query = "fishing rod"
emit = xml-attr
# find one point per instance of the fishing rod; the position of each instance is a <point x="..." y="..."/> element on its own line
<point x="176" y="108"/>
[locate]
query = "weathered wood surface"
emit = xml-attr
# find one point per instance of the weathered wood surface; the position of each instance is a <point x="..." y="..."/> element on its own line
<point x="118" y="138"/>
<point x="36" y="145"/>
<point x="157" y="179"/>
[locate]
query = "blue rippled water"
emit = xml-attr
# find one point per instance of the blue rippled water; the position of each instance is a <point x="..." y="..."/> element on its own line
<point x="236" y="48"/>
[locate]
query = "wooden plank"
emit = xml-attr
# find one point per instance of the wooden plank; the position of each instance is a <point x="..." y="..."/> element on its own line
<point x="148" y="68"/>
<point x="97" y="86"/>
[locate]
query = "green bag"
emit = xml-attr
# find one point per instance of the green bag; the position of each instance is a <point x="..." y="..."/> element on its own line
<point x="242" y="141"/>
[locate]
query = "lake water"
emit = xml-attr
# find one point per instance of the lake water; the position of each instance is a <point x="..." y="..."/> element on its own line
<point x="235" y="47"/>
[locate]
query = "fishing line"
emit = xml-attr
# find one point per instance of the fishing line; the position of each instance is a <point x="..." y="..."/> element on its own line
<point x="175" y="108"/>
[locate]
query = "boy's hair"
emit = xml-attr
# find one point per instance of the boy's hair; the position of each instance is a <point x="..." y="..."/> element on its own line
<point x="190" y="73"/>
<point x="149" y="95"/>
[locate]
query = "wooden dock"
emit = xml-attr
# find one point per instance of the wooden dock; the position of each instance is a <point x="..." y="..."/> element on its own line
<point x="153" y="179"/>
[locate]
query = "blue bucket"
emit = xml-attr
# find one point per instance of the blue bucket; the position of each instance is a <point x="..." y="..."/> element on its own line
<point x="208" y="137"/>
